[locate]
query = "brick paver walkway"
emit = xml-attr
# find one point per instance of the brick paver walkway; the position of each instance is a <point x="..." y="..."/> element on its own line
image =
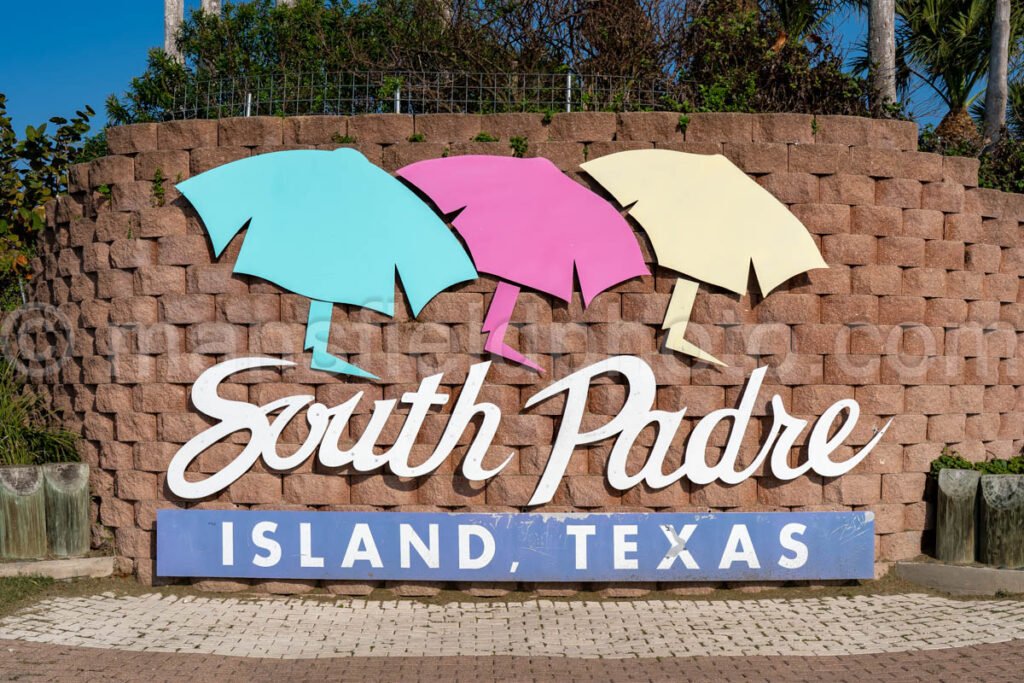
<point x="869" y="637"/>
<point x="34" y="662"/>
<point x="303" y="628"/>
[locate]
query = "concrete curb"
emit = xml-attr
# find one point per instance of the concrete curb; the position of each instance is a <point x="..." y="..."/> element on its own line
<point x="77" y="568"/>
<point x="961" y="579"/>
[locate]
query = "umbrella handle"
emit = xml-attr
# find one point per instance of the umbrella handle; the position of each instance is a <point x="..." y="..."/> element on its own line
<point x="318" y="332"/>
<point x="499" y="313"/>
<point x="677" y="317"/>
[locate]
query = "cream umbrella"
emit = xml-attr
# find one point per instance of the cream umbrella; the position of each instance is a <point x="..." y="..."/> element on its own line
<point x="709" y="221"/>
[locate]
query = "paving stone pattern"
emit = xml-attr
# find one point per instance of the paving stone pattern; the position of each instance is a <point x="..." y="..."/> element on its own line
<point x="279" y="628"/>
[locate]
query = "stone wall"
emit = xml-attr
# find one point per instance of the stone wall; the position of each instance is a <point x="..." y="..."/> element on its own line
<point x="918" y="317"/>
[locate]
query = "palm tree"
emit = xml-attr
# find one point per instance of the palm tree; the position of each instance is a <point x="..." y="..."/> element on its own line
<point x="800" y="19"/>
<point x="174" y="15"/>
<point x="996" y="94"/>
<point x="946" y="44"/>
<point x="882" y="51"/>
<point x="1014" y="109"/>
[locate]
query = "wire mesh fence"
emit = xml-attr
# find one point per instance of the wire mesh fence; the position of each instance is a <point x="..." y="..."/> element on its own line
<point x="369" y="92"/>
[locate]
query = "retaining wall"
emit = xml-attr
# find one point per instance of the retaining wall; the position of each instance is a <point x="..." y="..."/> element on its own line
<point x="919" y="317"/>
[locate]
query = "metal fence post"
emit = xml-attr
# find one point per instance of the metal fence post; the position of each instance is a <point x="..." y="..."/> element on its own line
<point x="398" y="99"/>
<point x="248" y="104"/>
<point x="568" y="92"/>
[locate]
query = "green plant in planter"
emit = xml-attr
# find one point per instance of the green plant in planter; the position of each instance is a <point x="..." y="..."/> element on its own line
<point x="951" y="459"/>
<point x="27" y="432"/>
<point x="1014" y="465"/>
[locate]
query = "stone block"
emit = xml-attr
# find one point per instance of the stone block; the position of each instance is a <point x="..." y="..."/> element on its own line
<point x="251" y="131"/>
<point x="381" y="129"/>
<point x="649" y="127"/>
<point x="582" y="127"/>
<point x="187" y="135"/>
<point x="131" y="139"/>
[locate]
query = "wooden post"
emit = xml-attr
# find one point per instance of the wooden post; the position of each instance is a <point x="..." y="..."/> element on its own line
<point x="1001" y="526"/>
<point x="955" y="516"/>
<point x="67" y="508"/>
<point x="22" y="513"/>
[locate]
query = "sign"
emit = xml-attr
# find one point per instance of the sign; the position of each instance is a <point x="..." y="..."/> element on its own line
<point x="728" y="546"/>
<point x="264" y="424"/>
<point x="306" y="209"/>
<point x="331" y="226"/>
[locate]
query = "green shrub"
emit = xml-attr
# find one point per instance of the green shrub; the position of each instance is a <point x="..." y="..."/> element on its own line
<point x="93" y="147"/>
<point x="1002" y="166"/>
<point x="315" y="57"/>
<point x="1014" y="465"/>
<point x="952" y="460"/>
<point x="159" y="191"/>
<point x="519" y="146"/>
<point x="33" y="170"/>
<point x="485" y="137"/>
<point x="735" y="61"/>
<point x="930" y="140"/>
<point x="28" y="435"/>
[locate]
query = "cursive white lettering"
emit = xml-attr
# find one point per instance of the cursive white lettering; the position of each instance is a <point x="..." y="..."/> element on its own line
<point x="327" y="425"/>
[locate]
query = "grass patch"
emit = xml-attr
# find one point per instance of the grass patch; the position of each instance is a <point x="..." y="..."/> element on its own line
<point x="16" y="590"/>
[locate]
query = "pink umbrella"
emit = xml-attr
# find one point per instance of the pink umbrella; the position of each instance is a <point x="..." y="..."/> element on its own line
<point x="527" y="223"/>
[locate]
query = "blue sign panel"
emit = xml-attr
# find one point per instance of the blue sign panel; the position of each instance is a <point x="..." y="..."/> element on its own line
<point x="727" y="546"/>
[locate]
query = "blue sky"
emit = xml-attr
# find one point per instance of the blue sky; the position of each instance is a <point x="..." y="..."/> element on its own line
<point x="86" y="49"/>
<point x="58" y="55"/>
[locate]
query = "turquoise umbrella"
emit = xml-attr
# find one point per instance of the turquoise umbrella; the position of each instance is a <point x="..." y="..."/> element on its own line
<point x="333" y="227"/>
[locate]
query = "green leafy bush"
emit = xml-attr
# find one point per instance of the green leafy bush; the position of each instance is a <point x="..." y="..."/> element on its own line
<point x="1002" y="166"/>
<point x="33" y="170"/>
<point x="150" y="95"/>
<point x="28" y="435"/>
<point x="745" y="62"/>
<point x="281" y="53"/>
<point x="930" y="140"/>
<point x="327" y="57"/>
<point x="1014" y="465"/>
<point x="92" y="147"/>
<point x="520" y="145"/>
<point x="952" y="460"/>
